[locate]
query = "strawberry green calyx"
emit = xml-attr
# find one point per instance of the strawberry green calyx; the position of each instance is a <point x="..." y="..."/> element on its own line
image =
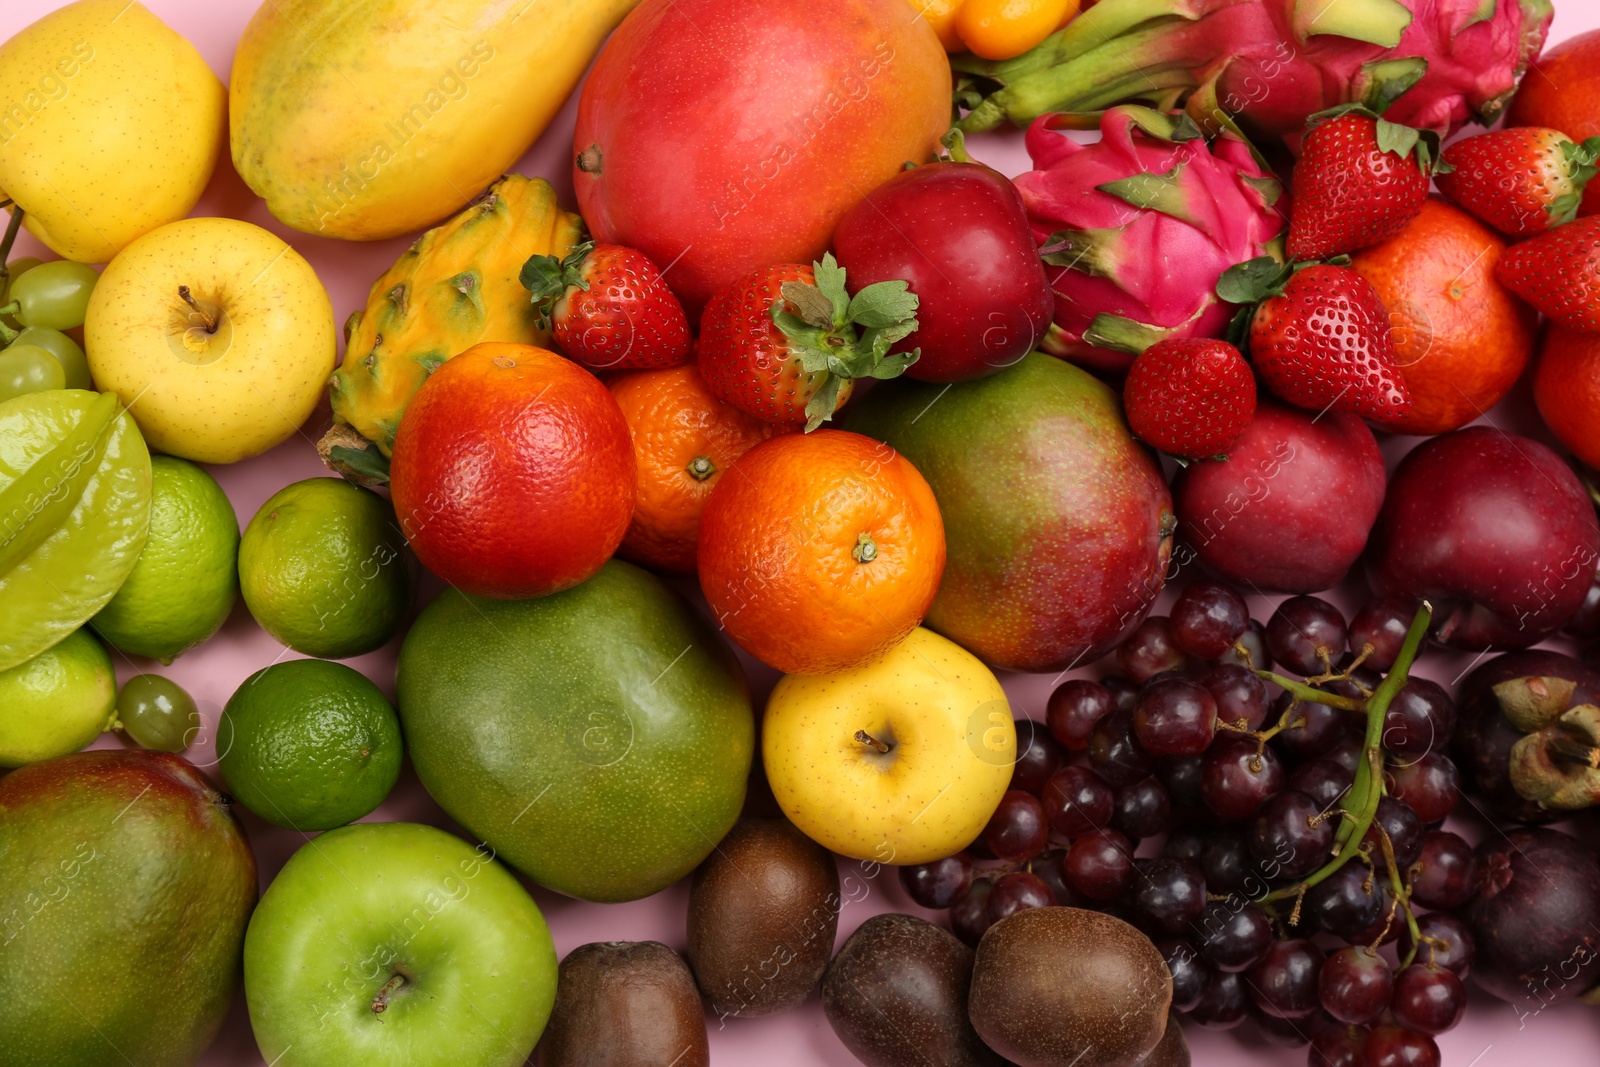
<point x="1580" y="159"/>
<point x="1393" y="137"/>
<point x="547" y="278"/>
<point x="842" y="336"/>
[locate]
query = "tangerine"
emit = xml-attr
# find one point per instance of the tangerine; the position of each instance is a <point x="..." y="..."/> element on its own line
<point x="512" y="474"/>
<point x="684" y="440"/>
<point x="821" y="551"/>
<point x="1566" y="387"/>
<point x="1461" y="338"/>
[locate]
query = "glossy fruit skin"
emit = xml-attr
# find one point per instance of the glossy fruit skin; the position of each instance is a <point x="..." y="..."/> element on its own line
<point x="1290" y="509"/>
<point x="1534" y="917"/>
<point x="722" y="138"/>
<point x="745" y="360"/>
<point x="623" y="1003"/>
<point x="1324" y="342"/>
<point x="1566" y="387"/>
<point x="1043" y="492"/>
<point x="618" y="314"/>
<point x="1484" y="736"/>
<point x="1521" y="180"/>
<point x="1391" y="1046"/>
<point x="1495" y="530"/>
<point x="768" y="894"/>
<point x="1461" y="338"/>
<point x="1348" y="192"/>
<point x="1032" y="979"/>
<point x="513" y="472"/>
<point x="684" y="441"/>
<point x="1284" y="981"/>
<point x="958" y="233"/>
<point x="1190" y="396"/>
<point x="157" y="713"/>
<point x="151" y="897"/>
<point x="485" y="726"/>
<point x="782" y="562"/>
<point x="1562" y="92"/>
<point x="908" y="970"/>
<point x="1558" y="272"/>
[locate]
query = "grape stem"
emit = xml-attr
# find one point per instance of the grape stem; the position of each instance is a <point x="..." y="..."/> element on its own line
<point x="1361" y="801"/>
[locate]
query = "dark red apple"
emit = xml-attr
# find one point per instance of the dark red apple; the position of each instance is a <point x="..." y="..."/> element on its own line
<point x="958" y="233"/>
<point x="1290" y="507"/>
<point x="1495" y="530"/>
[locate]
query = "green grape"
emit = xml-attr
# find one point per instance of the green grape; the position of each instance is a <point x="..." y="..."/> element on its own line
<point x="14" y="270"/>
<point x="66" y="351"/>
<point x="28" y="369"/>
<point x="157" y="713"/>
<point x="54" y="295"/>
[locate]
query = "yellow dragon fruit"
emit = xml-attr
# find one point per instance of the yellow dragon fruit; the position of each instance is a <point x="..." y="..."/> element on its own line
<point x="454" y="287"/>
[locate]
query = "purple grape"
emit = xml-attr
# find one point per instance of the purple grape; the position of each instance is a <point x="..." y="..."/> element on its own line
<point x="1016" y="892"/>
<point x="1237" y="776"/>
<point x="1171" y="893"/>
<point x="1099" y="864"/>
<point x="1142" y="809"/>
<point x="1306" y="634"/>
<point x="1288" y="839"/>
<point x="1048" y="870"/>
<point x="1114" y="751"/>
<point x="1038" y="757"/>
<point x="1175" y="717"/>
<point x="1076" y="800"/>
<point x="1324" y="781"/>
<point x="1181" y="776"/>
<point x="1312" y="728"/>
<point x="1354" y="985"/>
<point x="1017" y="830"/>
<point x="1254" y="642"/>
<point x="1347" y="902"/>
<point x="1338" y="1046"/>
<point x="1228" y="865"/>
<point x="1382" y="623"/>
<point x="1224" y="1004"/>
<point x="1150" y="649"/>
<point x="1124" y="693"/>
<point x="1074" y="708"/>
<point x="1284" y="981"/>
<point x="1420" y="719"/>
<point x="1449" y="871"/>
<point x="1233" y="934"/>
<point x="1429" y="786"/>
<point x="1404" y="830"/>
<point x="1186" y="843"/>
<point x="969" y="914"/>
<point x="1240" y="695"/>
<point x="1207" y="618"/>
<point x="1428" y="999"/>
<point x="1448" y="942"/>
<point x="937" y="884"/>
<point x="1189" y="972"/>
<point x="1390" y="1046"/>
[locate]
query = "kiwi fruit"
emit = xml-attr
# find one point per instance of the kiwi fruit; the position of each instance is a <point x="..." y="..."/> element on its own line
<point x="896" y="994"/>
<point x="625" y="1004"/>
<point x="763" y="914"/>
<point x="1064" y="987"/>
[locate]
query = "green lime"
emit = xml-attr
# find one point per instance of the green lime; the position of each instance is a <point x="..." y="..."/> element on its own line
<point x="322" y="569"/>
<point x="157" y="713"/>
<point x="56" y="702"/>
<point x="185" y="583"/>
<point x="309" y="745"/>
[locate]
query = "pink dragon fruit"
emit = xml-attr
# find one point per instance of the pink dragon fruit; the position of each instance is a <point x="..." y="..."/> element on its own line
<point x="1138" y="227"/>
<point x="1269" y="63"/>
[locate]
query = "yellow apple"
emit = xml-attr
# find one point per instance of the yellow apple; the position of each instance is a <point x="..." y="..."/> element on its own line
<point x="110" y="125"/>
<point x="899" y="761"/>
<point x="216" y="335"/>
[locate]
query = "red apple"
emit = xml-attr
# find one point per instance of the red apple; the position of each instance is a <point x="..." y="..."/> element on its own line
<point x="1495" y="530"/>
<point x="958" y="233"/>
<point x="1290" y="507"/>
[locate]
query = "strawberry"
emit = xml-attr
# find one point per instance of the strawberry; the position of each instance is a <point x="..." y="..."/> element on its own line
<point x="1190" y="397"/>
<point x="608" y="308"/>
<point x="1358" y="181"/>
<point x="1521" y="180"/>
<point x="1558" y="272"/>
<point x="1319" y="337"/>
<point x="783" y="343"/>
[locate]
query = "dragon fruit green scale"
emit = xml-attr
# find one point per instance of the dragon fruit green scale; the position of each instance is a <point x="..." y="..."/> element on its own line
<point x="1137" y="227"/>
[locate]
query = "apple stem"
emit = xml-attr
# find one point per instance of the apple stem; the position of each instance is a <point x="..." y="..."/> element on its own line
<point x="864" y="738"/>
<point x="206" y="317"/>
<point x="380" y="1003"/>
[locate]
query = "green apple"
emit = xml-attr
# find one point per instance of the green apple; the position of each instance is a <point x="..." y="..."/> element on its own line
<point x="397" y="945"/>
<point x="899" y="761"/>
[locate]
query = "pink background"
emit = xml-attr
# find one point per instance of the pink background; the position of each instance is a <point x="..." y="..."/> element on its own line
<point x="1492" y="1035"/>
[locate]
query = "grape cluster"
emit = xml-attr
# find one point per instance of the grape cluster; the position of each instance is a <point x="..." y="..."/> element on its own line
<point x="1247" y="781"/>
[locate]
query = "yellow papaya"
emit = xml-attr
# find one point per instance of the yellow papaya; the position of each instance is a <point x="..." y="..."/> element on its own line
<point x="366" y="119"/>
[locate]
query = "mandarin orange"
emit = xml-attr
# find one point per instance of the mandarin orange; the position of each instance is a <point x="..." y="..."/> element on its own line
<point x="1462" y="339"/>
<point x="821" y="551"/>
<point x="684" y="440"/>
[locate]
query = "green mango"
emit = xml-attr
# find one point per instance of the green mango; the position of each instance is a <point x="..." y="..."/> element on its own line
<point x="1057" y="521"/>
<point x="126" y="885"/>
<point x="598" y="739"/>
